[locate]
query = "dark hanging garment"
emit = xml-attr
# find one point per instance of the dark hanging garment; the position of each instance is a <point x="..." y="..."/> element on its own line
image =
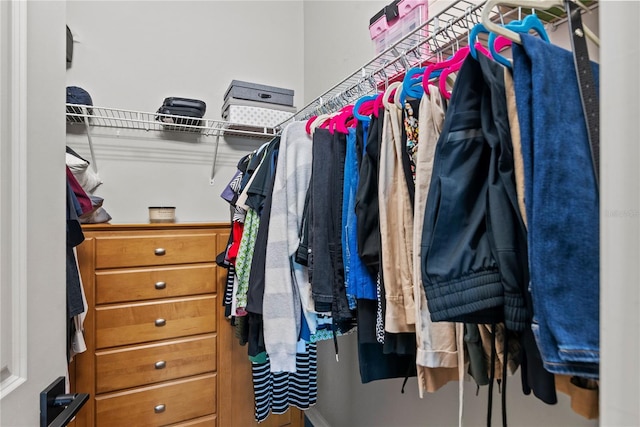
<point x="248" y="165"/>
<point x="367" y="208"/>
<point x="362" y="132"/>
<point x="534" y="377"/>
<point x="262" y="183"/>
<point x="374" y="362"/>
<point x="75" y="236"/>
<point x="472" y="205"/>
<point x="340" y="310"/>
<point x="256" y="278"/>
<point x="327" y="186"/>
<point x="321" y="273"/>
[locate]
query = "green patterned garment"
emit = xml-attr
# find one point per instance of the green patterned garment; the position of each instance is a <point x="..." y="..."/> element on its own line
<point x="244" y="258"/>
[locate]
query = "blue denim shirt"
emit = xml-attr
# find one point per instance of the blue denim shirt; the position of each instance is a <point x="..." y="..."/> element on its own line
<point x="359" y="282"/>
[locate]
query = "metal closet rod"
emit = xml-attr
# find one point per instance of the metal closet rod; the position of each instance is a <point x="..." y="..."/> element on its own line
<point x="456" y="19"/>
<point x="403" y="54"/>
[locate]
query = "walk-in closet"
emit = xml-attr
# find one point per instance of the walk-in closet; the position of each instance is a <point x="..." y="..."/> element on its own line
<point x="319" y="213"/>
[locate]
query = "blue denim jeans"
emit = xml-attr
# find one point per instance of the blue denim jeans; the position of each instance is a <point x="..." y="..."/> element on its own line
<point x="562" y="208"/>
<point x="327" y="277"/>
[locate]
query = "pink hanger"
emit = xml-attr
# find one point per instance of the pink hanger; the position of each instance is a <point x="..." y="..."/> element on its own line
<point x="458" y="56"/>
<point x="332" y="124"/>
<point x="366" y="109"/>
<point x="340" y="121"/>
<point x="392" y="95"/>
<point x="501" y="43"/>
<point x="442" y="83"/>
<point x="307" y="127"/>
<point x="312" y="122"/>
<point x="379" y="102"/>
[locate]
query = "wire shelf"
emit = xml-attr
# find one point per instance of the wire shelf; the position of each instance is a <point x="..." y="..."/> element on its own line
<point x="439" y="37"/>
<point x="129" y="119"/>
<point x="91" y="116"/>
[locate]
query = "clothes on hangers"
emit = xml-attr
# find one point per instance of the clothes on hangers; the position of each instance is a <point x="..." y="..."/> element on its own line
<point x="473" y="250"/>
<point x="274" y="392"/>
<point x="381" y="355"/>
<point x="418" y="222"/>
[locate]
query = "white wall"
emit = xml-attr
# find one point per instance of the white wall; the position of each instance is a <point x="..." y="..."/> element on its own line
<point x="133" y="54"/>
<point x="337" y="43"/>
<point x="620" y="214"/>
<point x="5" y="192"/>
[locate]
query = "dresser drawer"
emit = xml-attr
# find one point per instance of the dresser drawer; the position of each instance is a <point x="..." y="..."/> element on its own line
<point x="153" y="363"/>
<point x="124" y="324"/>
<point x="209" y="421"/>
<point x="154" y="282"/>
<point x="158" y="405"/>
<point x="123" y="251"/>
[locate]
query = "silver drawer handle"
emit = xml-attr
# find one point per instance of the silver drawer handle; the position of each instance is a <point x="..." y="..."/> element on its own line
<point x="161" y="285"/>
<point x="161" y="364"/>
<point x="159" y="251"/>
<point x="160" y="322"/>
<point x="158" y="409"/>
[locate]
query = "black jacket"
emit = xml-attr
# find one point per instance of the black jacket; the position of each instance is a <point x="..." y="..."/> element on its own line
<point x="474" y="248"/>
<point x="367" y="204"/>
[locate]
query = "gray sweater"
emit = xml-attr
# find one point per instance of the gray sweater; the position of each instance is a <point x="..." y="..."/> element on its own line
<point x="287" y="291"/>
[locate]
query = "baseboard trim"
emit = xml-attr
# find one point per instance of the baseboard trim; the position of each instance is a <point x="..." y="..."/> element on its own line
<point x="316" y="418"/>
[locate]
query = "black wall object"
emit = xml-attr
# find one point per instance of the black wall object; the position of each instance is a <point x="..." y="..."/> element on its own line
<point x="69" y="46"/>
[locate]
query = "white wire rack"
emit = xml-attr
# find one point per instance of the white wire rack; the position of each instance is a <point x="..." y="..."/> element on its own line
<point x="129" y="119"/>
<point x="439" y="37"/>
<point x="90" y="116"/>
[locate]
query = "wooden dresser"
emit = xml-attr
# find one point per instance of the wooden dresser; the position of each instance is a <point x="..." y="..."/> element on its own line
<point x="159" y="349"/>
